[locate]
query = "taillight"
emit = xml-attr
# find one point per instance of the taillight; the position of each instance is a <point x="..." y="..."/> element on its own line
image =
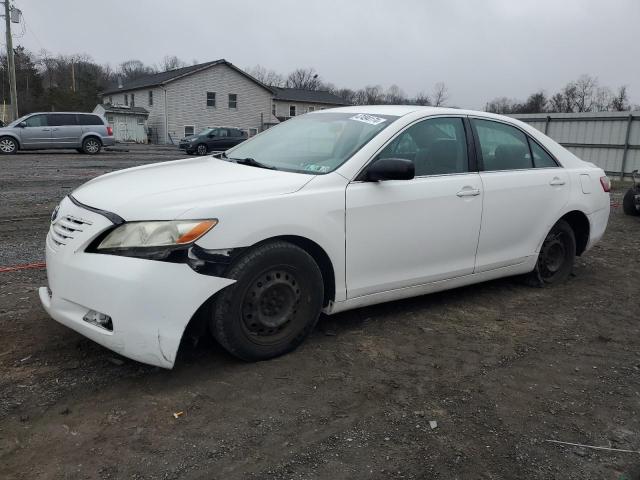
<point x="110" y="133"/>
<point x="606" y="183"/>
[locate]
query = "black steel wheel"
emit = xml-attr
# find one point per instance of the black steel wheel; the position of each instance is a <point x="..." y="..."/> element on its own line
<point x="201" y="149"/>
<point x="8" y="145"/>
<point x="274" y="304"/>
<point x="91" y="145"/>
<point x="630" y="205"/>
<point x="556" y="257"/>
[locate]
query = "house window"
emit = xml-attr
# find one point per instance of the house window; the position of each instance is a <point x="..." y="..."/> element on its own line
<point x="311" y="109"/>
<point x="233" y="100"/>
<point x="292" y="110"/>
<point x="211" y="99"/>
<point x="110" y="119"/>
<point x="189" y="130"/>
<point x="126" y="99"/>
<point x="133" y="100"/>
<point x="273" y="109"/>
<point x="140" y="120"/>
<point x="150" y="98"/>
<point x="110" y="100"/>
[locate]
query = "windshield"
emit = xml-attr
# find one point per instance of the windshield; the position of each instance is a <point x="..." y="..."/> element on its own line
<point x="314" y="143"/>
<point x="204" y="132"/>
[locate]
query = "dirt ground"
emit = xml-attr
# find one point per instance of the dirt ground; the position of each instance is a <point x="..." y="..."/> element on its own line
<point x="501" y="368"/>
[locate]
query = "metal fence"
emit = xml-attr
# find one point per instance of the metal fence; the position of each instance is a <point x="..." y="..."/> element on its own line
<point x="611" y="140"/>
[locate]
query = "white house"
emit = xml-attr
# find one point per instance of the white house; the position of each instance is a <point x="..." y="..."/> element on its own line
<point x="186" y="100"/>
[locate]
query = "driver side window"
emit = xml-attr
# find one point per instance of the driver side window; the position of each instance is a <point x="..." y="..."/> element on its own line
<point x="437" y="146"/>
<point x="37" y="121"/>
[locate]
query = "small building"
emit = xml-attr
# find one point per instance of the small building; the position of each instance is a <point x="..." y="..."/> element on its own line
<point x="129" y="123"/>
<point x="186" y="100"/>
<point x="290" y="102"/>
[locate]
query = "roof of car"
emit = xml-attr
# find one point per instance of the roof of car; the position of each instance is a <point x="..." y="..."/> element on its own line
<point x="401" y="110"/>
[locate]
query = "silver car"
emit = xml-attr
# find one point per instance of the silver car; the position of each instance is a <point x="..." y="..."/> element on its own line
<point x="86" y="132"/>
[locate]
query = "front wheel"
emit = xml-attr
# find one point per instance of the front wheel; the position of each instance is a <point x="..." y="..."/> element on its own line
<point x="556" y="257"/>
<point x="8" y="145"/>
<point x="91" y="146"/>
<point x="201" y="149"/>
<point x="274" y="304"/>
<point x="630" y="205"/>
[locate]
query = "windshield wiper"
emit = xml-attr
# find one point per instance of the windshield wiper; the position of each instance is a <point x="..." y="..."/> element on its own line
<point x="252" y="163"/>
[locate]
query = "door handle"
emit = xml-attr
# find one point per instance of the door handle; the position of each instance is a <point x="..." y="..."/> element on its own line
<point x="46" y="129"/>
<point x="468" y="192"/>
<point x="55" y="129"/>
<point x="556" y="181"/>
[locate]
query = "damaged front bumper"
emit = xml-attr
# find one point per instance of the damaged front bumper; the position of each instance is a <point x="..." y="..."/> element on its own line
<point x="149" y="302"/>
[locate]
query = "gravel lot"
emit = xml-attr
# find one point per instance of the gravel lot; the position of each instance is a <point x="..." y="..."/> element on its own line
<point x="500" y="367"/>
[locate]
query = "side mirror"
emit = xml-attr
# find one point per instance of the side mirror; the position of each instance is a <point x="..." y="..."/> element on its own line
<point x="22" y="124"/>
<point x="390" y="169"/>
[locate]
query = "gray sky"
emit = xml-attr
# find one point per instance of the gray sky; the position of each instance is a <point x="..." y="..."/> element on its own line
<point x="481" y="49"/>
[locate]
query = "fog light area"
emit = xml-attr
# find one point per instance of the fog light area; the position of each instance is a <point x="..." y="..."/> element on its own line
<point x="99" y="320"/>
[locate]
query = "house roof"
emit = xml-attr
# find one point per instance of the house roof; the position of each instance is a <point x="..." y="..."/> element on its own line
<point x="308" y="96"/>
<point x="162" y="78"/>
<point x="124" y="109"/>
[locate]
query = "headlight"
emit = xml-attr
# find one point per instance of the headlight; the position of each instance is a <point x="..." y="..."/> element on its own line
<point x="156" y="234"/>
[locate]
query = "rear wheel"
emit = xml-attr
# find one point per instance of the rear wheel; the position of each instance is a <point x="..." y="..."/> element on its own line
<point x="274" y="304"/>
<point x="629" y="205"/>
<point x="91" y="146"/>
<point x="555" y="261"/>
<point x="8" y="146"/>
<point x="201" y="149"/>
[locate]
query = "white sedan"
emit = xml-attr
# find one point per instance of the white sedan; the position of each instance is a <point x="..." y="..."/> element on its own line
<point x="326" y="212"/>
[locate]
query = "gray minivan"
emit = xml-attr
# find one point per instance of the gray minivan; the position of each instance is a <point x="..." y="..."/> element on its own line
<point x="86" y="132"/>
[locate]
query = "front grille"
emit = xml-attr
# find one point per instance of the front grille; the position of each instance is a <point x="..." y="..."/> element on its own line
<point x="66" y="228"/>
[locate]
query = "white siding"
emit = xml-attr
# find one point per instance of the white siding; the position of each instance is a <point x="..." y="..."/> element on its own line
<point x="156" y="121"/>
<point x="187" y="101"/>
<point x="282" y="107"/>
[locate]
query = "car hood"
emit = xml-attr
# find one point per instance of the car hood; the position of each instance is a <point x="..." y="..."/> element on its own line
<point x="164" y="191"/>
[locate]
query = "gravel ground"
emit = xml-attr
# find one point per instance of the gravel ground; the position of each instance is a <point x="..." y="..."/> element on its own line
<point x="500" y="367"/>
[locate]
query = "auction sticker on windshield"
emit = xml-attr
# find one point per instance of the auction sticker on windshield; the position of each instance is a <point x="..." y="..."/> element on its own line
<point x="370" y="119"/>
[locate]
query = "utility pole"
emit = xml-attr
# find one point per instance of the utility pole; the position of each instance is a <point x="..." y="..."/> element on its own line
<point x="10" y="61"/>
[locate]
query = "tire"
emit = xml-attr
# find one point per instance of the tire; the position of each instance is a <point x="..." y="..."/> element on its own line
<point x="556" y="257"/>
<point x="629" y="205"/>
<point x="274" y="304"/>
<point x="8" y="145"/>
<point x="202" y="149"/>
<point x="91" y="145"/>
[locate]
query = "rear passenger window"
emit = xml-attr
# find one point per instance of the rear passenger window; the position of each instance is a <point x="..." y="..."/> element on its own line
<point x="541" y="159"/>
<point x="62" y="119"/>
<point x="437" y="146"/>
<point x="89" y="120"/>
<point x="502" y="146"/>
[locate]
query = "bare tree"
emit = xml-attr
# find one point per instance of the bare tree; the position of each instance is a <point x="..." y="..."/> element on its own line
<point x="395" y="96"/>
<point x="502" y="105"/>
<point x="132" y="69"/>
<point x="268" y="77"/>
<point x="304" y="79"/>
<point x="620" y="101"/>
<point x="585" y="88"/>
<point x="422" y="99"/>
<point x="171" y="62"/>
<point x="372" y="95"/>
<point x="440" y="94"/>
